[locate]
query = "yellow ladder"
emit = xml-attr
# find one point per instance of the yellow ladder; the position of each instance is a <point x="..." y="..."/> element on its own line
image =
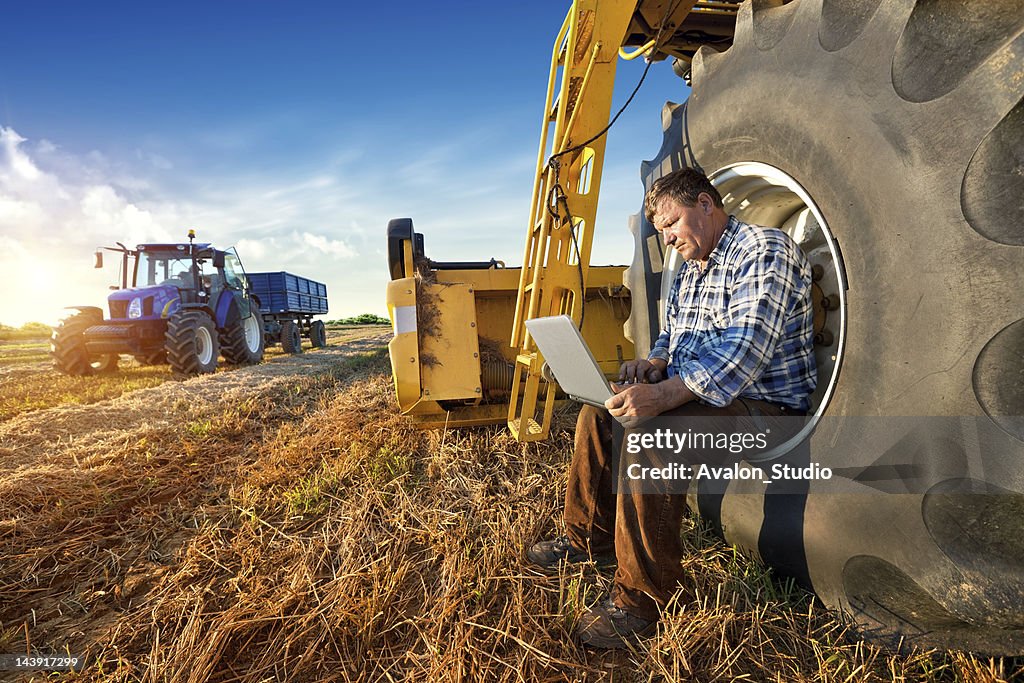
<point x="564" y="205"/>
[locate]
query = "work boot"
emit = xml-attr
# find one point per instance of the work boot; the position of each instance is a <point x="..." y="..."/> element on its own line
<point x="548" y="554"/>
<point x="608" y="626"/>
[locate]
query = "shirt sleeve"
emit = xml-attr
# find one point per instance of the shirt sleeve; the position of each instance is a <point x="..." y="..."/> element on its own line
<point x="765" y="288"/>
<point x="660" y="349"/>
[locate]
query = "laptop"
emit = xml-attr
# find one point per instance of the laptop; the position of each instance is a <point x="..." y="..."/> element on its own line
<point x="570" y="360"/>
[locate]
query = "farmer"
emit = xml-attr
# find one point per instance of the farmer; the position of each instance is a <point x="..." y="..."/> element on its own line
<point x="736" y="350"/>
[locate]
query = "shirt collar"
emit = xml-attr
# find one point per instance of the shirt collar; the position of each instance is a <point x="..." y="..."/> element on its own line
<point x="717" y="254"/>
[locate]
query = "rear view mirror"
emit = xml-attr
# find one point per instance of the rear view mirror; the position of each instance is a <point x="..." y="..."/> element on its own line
<point x="218" y="259"/>
<point x="99" y="260"/>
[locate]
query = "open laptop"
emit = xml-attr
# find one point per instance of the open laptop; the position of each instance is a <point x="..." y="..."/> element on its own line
<point x="570" y="359"/>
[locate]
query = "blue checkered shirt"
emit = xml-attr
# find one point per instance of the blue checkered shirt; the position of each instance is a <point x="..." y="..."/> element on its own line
<point x="743" y="326"/>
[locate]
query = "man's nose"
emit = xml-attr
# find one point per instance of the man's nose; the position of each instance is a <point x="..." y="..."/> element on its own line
<point x="667" y="237"/>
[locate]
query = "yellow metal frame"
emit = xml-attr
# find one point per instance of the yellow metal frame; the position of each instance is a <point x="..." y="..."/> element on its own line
<point x="585" y="55"/>
<point x="437" y="365"/>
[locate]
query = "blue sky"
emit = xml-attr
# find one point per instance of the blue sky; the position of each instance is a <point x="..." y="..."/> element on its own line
<point x="292" y="130"/>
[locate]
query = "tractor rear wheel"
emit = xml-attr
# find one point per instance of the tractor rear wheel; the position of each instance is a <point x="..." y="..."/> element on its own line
<point x="291" y="337"/>
<point x="893" y="130"/>
<point x="67" y="344"/>
<point x="318" y="334"/>
<point x="242" y="343"/>
<point x="191" y="343"/>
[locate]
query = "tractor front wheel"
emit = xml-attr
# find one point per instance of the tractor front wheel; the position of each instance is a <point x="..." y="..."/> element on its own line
<point x="191" y="342"/>
<point x="242" y="343"/>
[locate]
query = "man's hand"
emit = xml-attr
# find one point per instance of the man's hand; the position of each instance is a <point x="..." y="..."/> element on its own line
<point x="643" y="371"/>
<point x="634" y="404"/>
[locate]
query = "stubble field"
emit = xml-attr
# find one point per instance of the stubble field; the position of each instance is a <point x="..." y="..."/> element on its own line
<point x="281" y="523"/>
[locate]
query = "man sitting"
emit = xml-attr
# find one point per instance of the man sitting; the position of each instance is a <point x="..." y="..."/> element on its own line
<point x="736" y="349"/>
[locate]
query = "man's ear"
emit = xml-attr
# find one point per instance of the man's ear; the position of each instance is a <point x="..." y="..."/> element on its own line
<point x="705" y="202"/>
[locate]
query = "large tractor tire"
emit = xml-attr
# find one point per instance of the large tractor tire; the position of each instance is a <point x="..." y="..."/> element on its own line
<point x="291" y="337"/>
<point x="318" y="334"/>
<point x="888" y="139"/>
<point x="67" y="345"/>
<point x="242" y="343"/>
<point x="191" y="343"/>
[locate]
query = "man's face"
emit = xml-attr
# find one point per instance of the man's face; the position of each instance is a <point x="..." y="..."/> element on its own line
<point x="687" y="229"/>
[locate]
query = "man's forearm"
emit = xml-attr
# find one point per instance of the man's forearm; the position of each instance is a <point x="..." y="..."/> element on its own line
<point x="674" y="393"/>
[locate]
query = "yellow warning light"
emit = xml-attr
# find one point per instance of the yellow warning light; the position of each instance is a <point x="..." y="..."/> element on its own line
<point x="191" y="234"/>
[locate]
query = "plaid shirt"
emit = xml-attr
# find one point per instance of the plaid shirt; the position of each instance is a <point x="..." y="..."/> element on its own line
<point x="743" y="326"/>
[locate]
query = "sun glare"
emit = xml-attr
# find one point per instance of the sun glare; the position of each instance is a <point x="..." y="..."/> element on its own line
<point x="43" y="290"/>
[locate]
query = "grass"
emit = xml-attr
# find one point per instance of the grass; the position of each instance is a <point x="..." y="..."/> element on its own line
<point x="50" y="388"/>
<point x="300" y="530"/>
<point x="40" y="387"/>
<point x="35" y="345"/>
<point x="36" y="351"/>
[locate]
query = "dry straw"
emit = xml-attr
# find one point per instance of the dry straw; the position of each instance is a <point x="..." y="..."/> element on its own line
<point x="289" y="526"/>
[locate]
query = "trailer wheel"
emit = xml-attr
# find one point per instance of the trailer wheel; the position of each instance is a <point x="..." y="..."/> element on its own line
<point x="291" y="337"/>
<point x="67" y="343"/>
<point x="901" y="125"/>
<point x="191" y="343"/>
<point x="242" y="343"/>
<point x="318" y="334"/>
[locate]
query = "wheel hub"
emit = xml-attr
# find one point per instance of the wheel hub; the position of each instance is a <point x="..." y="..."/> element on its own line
<point x="252" y="334"/>
<point x="204" y="345"/>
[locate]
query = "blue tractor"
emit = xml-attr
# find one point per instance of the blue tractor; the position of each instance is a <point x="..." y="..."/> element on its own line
<point x="186" y="304"/>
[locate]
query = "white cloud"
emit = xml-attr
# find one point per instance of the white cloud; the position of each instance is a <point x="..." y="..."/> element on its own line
<point x="325" y="221"/>
<point x="330" y="247"/>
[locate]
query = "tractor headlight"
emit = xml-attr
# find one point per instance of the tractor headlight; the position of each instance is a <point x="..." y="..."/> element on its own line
<point x="135" y="308"/>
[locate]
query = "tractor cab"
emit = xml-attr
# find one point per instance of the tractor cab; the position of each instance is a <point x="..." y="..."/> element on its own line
<point x="165" y="276"/>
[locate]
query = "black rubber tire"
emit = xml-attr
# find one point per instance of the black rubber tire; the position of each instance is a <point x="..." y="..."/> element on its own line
<point x="191" y="343"/>
<point x="240" y="349"/>
<point x="905" y="125"/>
<point x="318" y="334"/>
<point x="291" y="337"/>
<point x="67" y="343"/>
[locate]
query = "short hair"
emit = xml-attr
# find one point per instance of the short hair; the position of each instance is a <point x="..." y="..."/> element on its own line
<point x="684" y="186"/>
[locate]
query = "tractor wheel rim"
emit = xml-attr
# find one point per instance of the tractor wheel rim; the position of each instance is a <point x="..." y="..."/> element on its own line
<point x="761" y="194"/>
<point x="204" y="345"/>
<point x="252" y="334"/>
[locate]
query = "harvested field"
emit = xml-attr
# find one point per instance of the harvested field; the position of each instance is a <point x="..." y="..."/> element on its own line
<point x="280" y="522"/>
<point x="29" y="382"/>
